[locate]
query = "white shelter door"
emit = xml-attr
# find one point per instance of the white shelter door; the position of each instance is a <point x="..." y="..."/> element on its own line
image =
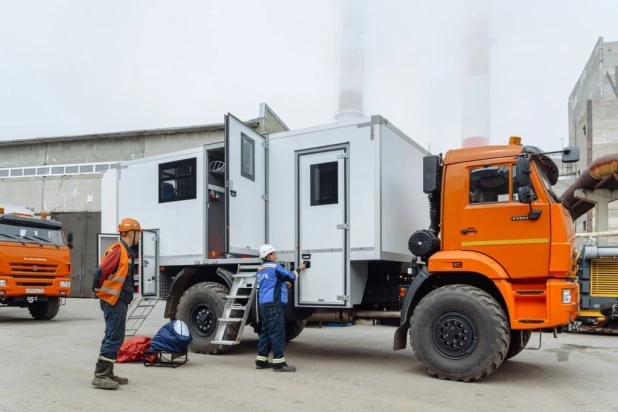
<point x="104" y="241"/>
<point x="322" y="212"/>
<point x="149" y="263"/>
<point x="245" y="176"/>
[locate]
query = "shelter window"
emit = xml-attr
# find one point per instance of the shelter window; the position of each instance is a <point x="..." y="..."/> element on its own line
<point x="177" y="180"/>
<point x="324" y="184"/>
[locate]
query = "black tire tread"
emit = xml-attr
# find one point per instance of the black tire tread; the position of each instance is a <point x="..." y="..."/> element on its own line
<point x="606" y="308"/>
<point x="45" y="310"/>
<point x="498" y="315"/>
<point x="516" y="346"/>
<point x="219" y="292"/>
<point x="293" y="329"/>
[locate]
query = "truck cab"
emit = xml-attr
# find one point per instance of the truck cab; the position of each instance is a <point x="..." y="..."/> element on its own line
<point x="35" y="263"/>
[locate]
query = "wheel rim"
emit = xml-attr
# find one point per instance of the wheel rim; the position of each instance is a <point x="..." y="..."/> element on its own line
<point x="203" y="319"/>
<point x="455" y="335"/>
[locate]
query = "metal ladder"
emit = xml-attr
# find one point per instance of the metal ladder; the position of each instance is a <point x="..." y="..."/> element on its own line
<point x="137" y="313"/>
<point x="238" y="305"/>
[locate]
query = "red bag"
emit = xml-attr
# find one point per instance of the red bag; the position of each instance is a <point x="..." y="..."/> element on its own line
<point x="133" y="348"/>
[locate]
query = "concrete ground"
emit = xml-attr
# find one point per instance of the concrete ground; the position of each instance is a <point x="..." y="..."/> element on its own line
<point x="48" y="366"/>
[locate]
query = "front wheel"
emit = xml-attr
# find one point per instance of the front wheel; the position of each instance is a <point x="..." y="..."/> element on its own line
<point x="459" y="333"/>
<point x="45" y="310"/>
<point x="519" y="340"/>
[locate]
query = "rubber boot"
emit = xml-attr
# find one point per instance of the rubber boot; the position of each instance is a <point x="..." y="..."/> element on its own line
<point x="102" y="378"/>
<point x="121" y="381"/>
<point x="284" y="367"/>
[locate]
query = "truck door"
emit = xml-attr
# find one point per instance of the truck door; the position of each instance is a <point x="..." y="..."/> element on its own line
<point x="104" y="241"/>
<point x="495" y="224"/>
<point x="149" y="263"/>
<point x="245" y="191"/>
<point x="322" y="227"/>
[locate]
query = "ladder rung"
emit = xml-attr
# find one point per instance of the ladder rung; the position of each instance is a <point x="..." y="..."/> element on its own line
<point x="244" y="276"/>
<point x="237" y="297"/>
<point x="224" y="342"/>
<point x="237" y="308"/>
<point x="136" y="317"/>
<point x="230" y="320"/>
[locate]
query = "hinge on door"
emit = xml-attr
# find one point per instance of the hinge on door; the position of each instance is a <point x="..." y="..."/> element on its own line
<point x="265" y="145"/>
<point x="265" y="197"/>
<point x="344" y="226"/>
<point x="155" y="238"/>
<point x="343" y="297"/>
<point x="343" y="156"/>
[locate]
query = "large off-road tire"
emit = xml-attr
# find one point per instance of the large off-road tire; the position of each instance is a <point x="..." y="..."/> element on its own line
<point x="45" y="310"/>
<point x="201" y="307"/>
<point x="459" y="333"/>
<point x="606" y="308"/>
<point x="519" y="340"/>
<point x="292" y="329"/>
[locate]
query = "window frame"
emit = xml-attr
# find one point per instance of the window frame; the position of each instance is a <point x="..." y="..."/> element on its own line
<point x="509" y="194"/>
<point x="192" y="163"/>
<point x="246" y="139"/>
<point x="322" y="168"/>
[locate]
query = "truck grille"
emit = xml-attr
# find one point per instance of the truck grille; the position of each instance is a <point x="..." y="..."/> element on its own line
<point x="30" y="269"/>
<point x="604" y="278"/>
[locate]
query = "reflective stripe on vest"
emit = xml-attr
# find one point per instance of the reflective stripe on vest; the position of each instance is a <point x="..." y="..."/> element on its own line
<point x="112" y="286"/>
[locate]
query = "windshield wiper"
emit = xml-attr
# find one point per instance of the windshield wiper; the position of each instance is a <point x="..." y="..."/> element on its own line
<point x="33" y="240"/>
<point x="46" y="240"/>
<point x="12" y="237"/>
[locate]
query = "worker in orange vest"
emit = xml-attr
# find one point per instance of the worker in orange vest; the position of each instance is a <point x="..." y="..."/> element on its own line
<point x="113" y="285"/>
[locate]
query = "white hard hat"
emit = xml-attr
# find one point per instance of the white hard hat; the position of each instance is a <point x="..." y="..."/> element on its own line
<point x="266" y="250"/>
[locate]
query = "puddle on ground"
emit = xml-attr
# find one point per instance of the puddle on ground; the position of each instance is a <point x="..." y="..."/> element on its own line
<point x="565" y="350"/>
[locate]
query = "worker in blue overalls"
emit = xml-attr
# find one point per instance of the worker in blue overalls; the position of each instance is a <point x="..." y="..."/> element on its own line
<point x="273" y="282"/>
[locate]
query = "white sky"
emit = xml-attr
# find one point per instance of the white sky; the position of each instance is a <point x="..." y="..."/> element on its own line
<point x="85" y="66"/>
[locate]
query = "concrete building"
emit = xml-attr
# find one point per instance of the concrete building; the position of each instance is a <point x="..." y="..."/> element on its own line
<point x="62" y="175"/>
<point x="593" y="120"/>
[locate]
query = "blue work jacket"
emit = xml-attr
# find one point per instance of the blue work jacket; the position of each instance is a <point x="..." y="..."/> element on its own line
<point x="271" y="279"/>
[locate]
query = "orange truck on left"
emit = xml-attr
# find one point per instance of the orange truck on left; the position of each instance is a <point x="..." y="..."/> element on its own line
<point x="35" y="262"/>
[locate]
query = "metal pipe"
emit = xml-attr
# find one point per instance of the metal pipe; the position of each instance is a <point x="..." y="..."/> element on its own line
<point x="334" y="316"/>
<point x="598" y="234"/>
<point x="592" y="252"/>
<point x="600" y="174"/>
<point x="378" y="314"/>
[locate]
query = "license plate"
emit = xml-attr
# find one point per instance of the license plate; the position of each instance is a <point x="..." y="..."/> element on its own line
<point x="35" y="290"/>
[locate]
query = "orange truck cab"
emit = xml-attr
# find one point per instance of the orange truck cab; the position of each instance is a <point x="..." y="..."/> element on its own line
<point x="35" y="263"/>
<point x="498" y="260"/>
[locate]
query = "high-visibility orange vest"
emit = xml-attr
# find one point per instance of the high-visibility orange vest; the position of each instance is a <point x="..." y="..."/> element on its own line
<point x="112" y="286"/>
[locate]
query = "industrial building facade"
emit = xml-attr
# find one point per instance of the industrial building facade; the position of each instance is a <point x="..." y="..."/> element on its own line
<point x="62" y="176"/>
<point x="593" y="120"/>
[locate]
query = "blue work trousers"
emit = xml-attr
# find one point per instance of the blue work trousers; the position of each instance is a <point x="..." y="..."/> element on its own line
<point x="272" y="332"/>
<point x="115" y="321"/>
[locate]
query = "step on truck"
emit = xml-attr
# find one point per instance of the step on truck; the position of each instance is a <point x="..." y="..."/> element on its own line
<point x="35" y="261"/>
<point x="490" y="254"/>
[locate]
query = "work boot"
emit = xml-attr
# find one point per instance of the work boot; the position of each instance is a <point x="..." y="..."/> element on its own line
<point x="102" y="374"/>
<point x="121" y="381"/>
<point x="284" y="367"/>
<point x="263" y="365"/>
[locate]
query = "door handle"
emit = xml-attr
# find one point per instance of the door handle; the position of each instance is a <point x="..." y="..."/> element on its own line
<point x="468" y="230"/>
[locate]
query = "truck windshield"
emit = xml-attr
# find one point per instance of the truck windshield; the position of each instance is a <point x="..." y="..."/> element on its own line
<point x="10" y="232"/>
<point x="552" y="196"/>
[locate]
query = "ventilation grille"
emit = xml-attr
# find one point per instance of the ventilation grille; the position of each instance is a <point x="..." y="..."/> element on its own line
<point x="604" y="278"/>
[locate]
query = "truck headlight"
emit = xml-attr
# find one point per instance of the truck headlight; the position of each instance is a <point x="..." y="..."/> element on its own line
<point x="566" y="296"/>
<point x="65" y="284"/>
<point x="2" y="283"/>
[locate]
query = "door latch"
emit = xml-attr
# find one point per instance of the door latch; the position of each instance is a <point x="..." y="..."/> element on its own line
<point x="343" y="226"/>
<point x="468" y="230"/>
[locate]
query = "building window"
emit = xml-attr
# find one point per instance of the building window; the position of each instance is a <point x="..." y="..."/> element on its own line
<point x="177" y="180"/>
<point x="17" y="172"/>
<point x="489" y="184"/>
<point x="4" y="173"/>
<point x="247" y="157"/>
<point x="72" y="170"/>
<point x="86" y="169"/>
<point x="30" y="171"/>
<point x="57" y="170"/>
<point x="101" y="168"/>
<point x="42" y="171"/>
<point x="324" y="184"/>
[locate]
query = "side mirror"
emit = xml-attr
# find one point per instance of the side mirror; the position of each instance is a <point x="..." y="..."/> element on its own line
<point x="70" y="239"/>
<point x="522" y="170"/>
<point x="570" y="154"/>
<point x="524" y="193"/>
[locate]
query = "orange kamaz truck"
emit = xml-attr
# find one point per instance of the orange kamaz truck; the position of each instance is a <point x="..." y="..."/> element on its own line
<point x="497" y="262"/>
<point x="35" y="262"/>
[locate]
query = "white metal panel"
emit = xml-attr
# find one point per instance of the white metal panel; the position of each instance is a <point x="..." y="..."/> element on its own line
<point x="319" y="234"/>
<point x="104" y="241"/>
<point x="149" y="267"/>
<point x="246" y="188"/>
<point x="362" y="183"/>
<point x="180" y="223"/>
<point x="109" y="219"/>
<point x="405" y="207"/>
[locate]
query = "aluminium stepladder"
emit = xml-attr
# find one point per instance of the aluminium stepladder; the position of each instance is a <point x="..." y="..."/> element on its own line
<point x="138" y="311"/>
<point x="237" y="306"/>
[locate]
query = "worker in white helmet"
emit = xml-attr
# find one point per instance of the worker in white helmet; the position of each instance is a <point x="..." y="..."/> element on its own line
<point x="273" y="281"/>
